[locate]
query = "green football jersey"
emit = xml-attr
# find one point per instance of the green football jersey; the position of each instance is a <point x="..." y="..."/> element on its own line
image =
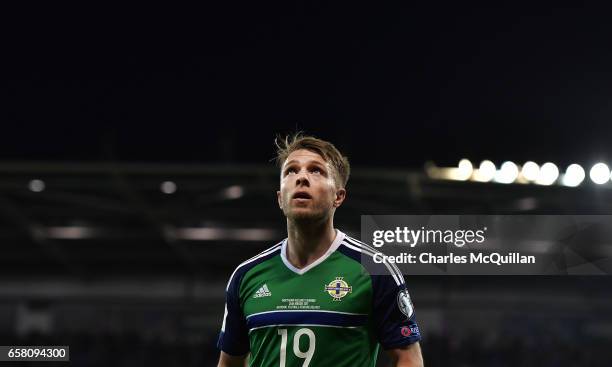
<point x="334" y="312"/>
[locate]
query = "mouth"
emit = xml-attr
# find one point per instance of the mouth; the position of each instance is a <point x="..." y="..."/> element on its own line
<point x="302" y="195"/>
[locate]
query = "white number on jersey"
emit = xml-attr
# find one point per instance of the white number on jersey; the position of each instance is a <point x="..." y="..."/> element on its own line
<point x="307" y="355"/>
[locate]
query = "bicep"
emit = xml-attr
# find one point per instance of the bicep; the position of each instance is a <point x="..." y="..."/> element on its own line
<point x="406" y="356"/>
<point x="227" y="360"/>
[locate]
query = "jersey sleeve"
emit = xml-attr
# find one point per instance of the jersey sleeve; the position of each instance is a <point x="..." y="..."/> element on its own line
<point x="393" y="312"/>
<point x="233" y="338"/>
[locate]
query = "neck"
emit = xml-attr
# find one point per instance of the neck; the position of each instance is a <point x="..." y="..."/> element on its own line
<point x="306" y="242"/>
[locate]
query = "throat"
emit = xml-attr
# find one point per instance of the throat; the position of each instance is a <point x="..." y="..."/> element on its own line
<point x="303" y="250"/>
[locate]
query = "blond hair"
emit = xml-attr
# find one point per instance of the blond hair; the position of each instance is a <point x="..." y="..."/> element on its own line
<point x="325" y="149"/>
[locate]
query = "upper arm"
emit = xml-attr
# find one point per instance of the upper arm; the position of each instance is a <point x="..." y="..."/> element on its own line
<point x="226" y="360"/>
<point x="233" y="338"/>
<point x="406" y="356"/>
<point x="393" y="312"/>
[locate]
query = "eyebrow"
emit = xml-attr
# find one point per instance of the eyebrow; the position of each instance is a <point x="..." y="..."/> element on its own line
<point x="309" y="162"/>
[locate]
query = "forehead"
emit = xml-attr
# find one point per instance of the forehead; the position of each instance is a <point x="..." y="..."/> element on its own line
<point x="304" y="156"/>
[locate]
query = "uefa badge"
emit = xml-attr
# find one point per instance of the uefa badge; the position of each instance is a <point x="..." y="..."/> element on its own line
<point x="338" y="288"/>
<point x="404" y="303"/>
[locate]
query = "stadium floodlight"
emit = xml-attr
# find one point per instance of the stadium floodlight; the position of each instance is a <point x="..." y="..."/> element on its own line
<point x="507" y="173"/>
<point x="486" y="171"/>
<point x="36" y="185"/>
<point x="530" y="171"/>
<point x="464" y="170"/>
<point x="548" y="174"/>
<point x="574" y="175"/>
<point x="600" y="173"/>
<point x="168" y="187"/>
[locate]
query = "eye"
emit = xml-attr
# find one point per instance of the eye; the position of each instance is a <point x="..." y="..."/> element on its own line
<point x="317" y="170"/>
<point x="290" y="170"/>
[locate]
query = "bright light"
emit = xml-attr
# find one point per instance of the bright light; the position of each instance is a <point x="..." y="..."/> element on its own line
<point x="530" y="171"/>
<point x="507" y="173"/>
<point x="36" y="185"/>
<point x="168" y="187"/>
<point x="574" y="175"/>
<point x="465" y="169"/>
<point x="486" y="171"/>
<point x="600" y="173"/>
<point x="548" y="174"/>
<point x="233" y="192"/>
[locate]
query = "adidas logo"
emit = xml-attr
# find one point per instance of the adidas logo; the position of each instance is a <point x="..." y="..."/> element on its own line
<point x="263" y="292"/>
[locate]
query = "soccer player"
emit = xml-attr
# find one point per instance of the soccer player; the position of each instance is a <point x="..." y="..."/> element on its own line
<point x="315" y="299"/>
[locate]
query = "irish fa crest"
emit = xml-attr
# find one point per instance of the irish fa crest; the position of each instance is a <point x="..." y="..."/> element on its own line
<point x="338" y="288"/>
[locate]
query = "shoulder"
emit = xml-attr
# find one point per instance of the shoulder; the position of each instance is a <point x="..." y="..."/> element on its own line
<point x="249" y="264"/>
<point x="366" y="255"/>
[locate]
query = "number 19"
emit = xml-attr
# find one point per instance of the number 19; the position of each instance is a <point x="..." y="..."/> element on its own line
<point x="307" y="355"/>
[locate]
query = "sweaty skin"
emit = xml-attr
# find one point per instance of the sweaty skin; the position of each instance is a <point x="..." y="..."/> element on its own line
<point x="309" y="195"/>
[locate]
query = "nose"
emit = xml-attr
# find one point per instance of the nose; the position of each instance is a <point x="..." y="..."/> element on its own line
<point x="302" y="179"/>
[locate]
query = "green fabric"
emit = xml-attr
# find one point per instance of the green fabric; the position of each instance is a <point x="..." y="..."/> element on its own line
<point x="286" y="290"/>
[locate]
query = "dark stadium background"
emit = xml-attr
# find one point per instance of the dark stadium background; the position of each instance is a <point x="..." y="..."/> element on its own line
<point x="103" y="105"/>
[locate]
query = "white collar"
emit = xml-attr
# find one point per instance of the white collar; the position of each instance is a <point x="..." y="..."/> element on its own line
<point x="334" y="246"/>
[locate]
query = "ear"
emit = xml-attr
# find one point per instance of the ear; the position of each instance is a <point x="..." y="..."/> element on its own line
<point x="279" y="198"/>
<point x="340" y="196"/>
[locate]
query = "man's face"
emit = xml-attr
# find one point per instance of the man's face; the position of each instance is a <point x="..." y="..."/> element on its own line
<point x="308" y="187"/>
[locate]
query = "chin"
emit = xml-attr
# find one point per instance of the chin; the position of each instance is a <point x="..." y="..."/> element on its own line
<point x="303" y="215"/>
